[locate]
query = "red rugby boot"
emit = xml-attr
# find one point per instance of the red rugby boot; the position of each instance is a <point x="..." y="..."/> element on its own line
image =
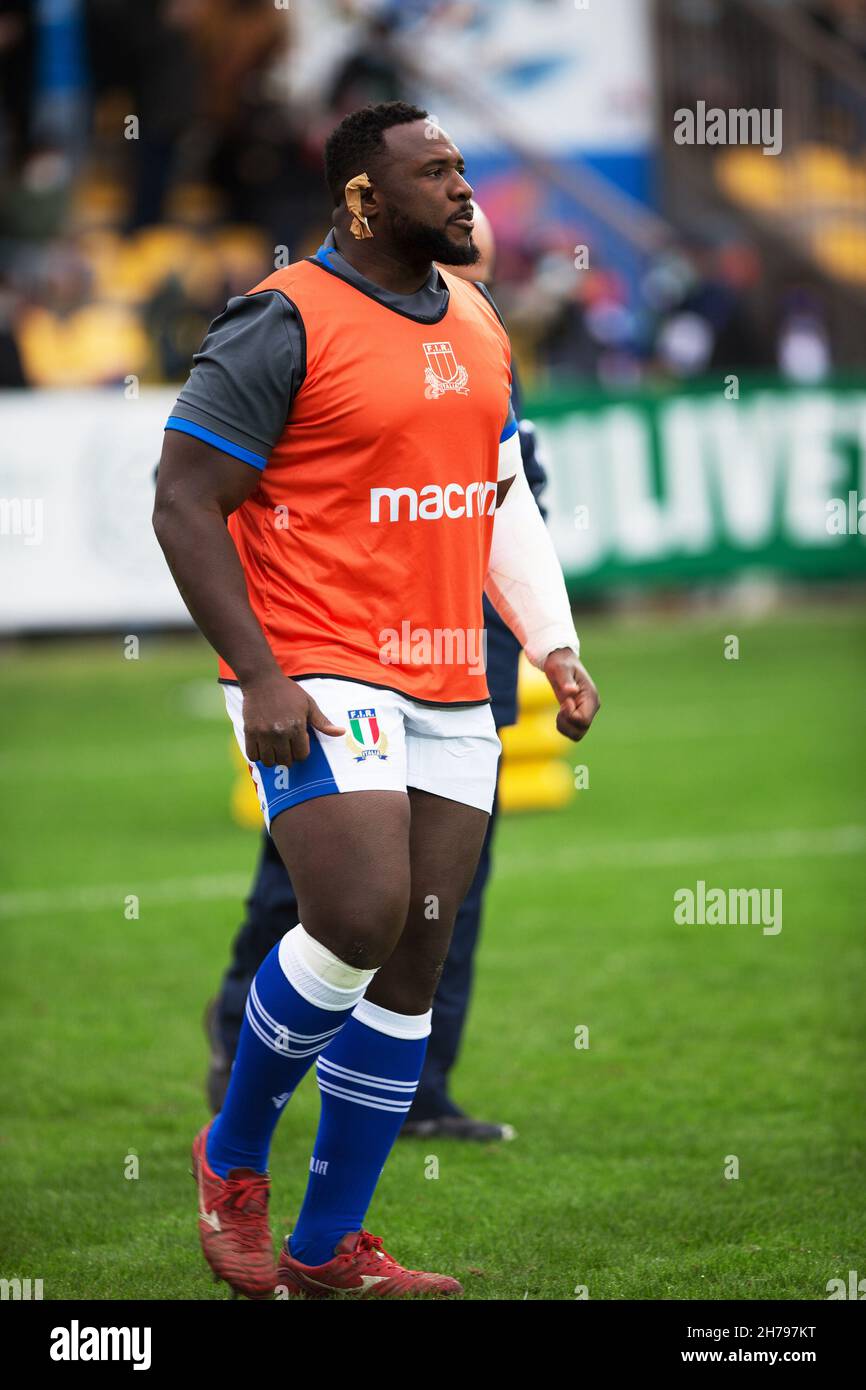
<point x="361" y="1269"/>
<point x="233" y="1224"/>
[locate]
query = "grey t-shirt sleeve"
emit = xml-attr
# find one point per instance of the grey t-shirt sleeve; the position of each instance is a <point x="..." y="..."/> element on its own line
<point x="244" y="377"/>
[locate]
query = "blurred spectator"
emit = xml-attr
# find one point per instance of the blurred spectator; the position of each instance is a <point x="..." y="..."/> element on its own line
<point x="16" y="83"/>
<point x="146" y="50"/>
<point x="11" y="366"/>
<point x="803" y="346"/>
<point x="67" y="339"/>
<point x="369" y="74"/>
<point x="706" y="325"/>
<point x="844" y="20"/>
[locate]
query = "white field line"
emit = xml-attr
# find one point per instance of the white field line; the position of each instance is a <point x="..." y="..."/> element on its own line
<point x="124" y="760"/>
<point x="574" y="859"/>
<point x="99" y="897"/>
<point x="643" y="854"/>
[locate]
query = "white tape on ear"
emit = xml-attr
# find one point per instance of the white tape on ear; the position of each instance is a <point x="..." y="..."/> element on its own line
<point x="524" y="578"/>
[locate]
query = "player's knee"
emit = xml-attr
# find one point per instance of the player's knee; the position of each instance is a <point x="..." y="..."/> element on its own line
<point x="364" y="934"/>
<point x="411" y="989"/>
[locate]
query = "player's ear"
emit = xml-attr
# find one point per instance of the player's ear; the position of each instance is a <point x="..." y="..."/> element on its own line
<point x="360" y="227"/>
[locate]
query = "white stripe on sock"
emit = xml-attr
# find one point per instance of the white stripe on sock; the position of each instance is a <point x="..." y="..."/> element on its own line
<point x="281" y="1049"/>
<point x="398" y="1107"/>
<point x="344" y="1073"/>
<point x="268" y="1022"/>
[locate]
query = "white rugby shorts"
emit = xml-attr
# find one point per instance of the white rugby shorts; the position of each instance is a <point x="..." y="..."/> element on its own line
<point x="391" y="743"/>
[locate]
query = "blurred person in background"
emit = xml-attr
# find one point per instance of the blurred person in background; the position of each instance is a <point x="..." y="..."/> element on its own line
<point x="253" y="144"/>
<point x="699" y="297"/>
<point x="370" y="73"/>
<point x="16" y="83"/>
<point x="844" y="20"/>
<point x="65" y="337"/>
<point x="12" y="374"/>
<point x="43" y="113"/>
<point x="803" y="350"/>
<point x="148" y="51"/>
<point x="272" y="906"/>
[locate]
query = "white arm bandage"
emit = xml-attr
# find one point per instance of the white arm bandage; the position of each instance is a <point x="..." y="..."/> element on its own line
<point x="524" y="578"/>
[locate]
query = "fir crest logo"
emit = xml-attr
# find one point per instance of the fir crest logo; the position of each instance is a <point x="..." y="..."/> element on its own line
<point x="365" y="738"/>
<point x="443" y="372"/>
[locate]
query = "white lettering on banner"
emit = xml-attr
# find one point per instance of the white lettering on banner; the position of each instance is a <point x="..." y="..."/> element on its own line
<point x="746" y="460"/>
<point x="575" y="479"/>
<point x="817" y="470"/>
<point x="638" y="524"/>
<point x="690" y="521"/>
<point x="857" y="410"/>
<point x="697" y="475"/>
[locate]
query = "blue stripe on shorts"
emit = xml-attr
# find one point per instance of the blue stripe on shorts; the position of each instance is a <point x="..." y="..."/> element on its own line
<point x="310" y="778"/>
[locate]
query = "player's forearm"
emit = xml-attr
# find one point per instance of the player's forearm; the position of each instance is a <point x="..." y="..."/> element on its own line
<point x="524" y="577"/>
<point x="205" y="566"/>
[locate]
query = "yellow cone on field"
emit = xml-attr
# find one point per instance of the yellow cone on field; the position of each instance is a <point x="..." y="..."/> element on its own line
<point x="244" y="801"/>
<point x="534" y="775"/>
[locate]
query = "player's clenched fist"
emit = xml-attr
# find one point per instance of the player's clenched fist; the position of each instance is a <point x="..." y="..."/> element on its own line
<point x="276" y="715"/>
<point x="575" y="690"/>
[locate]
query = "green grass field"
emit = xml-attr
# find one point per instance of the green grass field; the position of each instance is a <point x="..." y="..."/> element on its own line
<point x="705" y="1041"/>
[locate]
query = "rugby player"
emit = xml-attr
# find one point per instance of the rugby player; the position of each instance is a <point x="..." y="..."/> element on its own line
<point x="334" y="550"/>
<point x="272" y="908"/>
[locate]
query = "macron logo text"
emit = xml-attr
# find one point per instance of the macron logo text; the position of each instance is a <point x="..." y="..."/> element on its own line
<point x="432" y="502"/>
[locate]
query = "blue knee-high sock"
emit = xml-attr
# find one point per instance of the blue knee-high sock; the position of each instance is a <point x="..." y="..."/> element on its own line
<point x="292" y="1012"/>
<point x="367" y="1078"/>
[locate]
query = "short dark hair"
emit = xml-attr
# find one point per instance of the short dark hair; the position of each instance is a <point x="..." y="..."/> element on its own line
<point x="354" y="144"/>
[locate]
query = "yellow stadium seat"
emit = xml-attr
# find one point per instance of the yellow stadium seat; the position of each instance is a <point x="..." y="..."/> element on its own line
<point x="97" y="344"/>
<point x="194" y="205"/>
<point x="750" y="177"/>
<point x="825" y="175"/>
<point x="840" y="248"/>
<point x="97" y="202"/>
<point x="244" y="255"/>
<point x="151" y="256"/>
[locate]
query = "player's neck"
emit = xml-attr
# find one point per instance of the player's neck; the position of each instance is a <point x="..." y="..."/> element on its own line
<point x="381" y="266"/>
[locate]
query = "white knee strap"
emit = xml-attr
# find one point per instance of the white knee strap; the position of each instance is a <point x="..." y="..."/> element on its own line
<point x="318" y="975"/>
